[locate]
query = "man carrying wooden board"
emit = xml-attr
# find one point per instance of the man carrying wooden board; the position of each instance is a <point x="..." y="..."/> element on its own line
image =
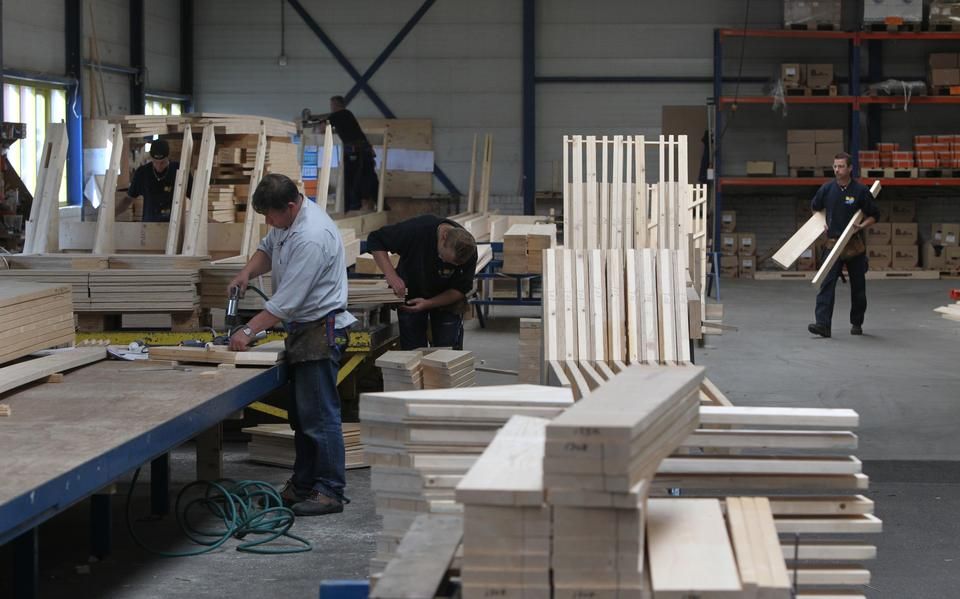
<point x="359" y="161"/>
<point x="841" y="199"/>
<point x="154" y="181"/>
<point x="438" y="260"/>
<point x="304" y="252"/>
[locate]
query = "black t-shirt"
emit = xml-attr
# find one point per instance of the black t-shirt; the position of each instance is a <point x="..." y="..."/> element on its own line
<point x="420" y="267"/>
<point x="347" y="127"/>
<point x="842" y="204"/>
<point x="157" y="191"/>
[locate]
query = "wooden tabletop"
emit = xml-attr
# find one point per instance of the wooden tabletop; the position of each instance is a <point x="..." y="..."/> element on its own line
<point x="65" y="441"/>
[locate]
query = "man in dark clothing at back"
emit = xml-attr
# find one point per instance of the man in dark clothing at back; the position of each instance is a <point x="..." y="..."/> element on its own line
<point x="841" y="198"/>
<point x="359" y="164"/>
<point x="154" y="181"/>
<point x="438" y="261"/>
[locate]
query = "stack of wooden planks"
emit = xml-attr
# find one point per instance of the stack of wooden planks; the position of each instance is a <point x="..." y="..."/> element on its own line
<point x="447" y="368"/>
<point x="599" y="458"/>
<point x="33" y="316"/>
<point x="506" y="522"/>
<point x="365" y="264"/>
<point x="420" y="444"/>
<point x="272" y="444"/>
<point x="756" y="545"/>
<point x="401" y="370"/>
<point x="267" y="354"/>
<point x="523" y="247"/>
<point x="604" y="309"/>
<point x="529" y="356"/>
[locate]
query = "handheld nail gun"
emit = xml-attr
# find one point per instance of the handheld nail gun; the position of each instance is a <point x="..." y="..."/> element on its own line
<point x="233" y="302"/>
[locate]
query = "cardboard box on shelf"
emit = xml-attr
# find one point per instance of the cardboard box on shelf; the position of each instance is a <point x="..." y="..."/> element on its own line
<point x="807" y="259"/>
<point x="801" y="148"/>
<point x="791" y="73"/>
<point x="886" y="209"/>
<point x="903" y="211"/>
<point x="802" y="161"/>
<point x="728" y="221"/>
<point x="951" y="234"/>
<point x="805" y="12"/>
<point x="828" y="135"/>
<point x="819" y="76"/>
<point x="729" y="267"/>
<point x="905" y="257"/>
<point x="944" y="77"/>
<point x="729" y="244"/>
<point x="748" y="266"/>
<point x="801" y="135"/>
<point x="932" y="257"/>
<point x="747" y="242"/>
<point x="879" y="234"/>
<point x="761" y="168"/>
<point x="951" y="258"/>
<point x="829" y="147"/>
<point x="880" y="256"/>
<point x="903" y="233"/>
<point x="943" y="60"/>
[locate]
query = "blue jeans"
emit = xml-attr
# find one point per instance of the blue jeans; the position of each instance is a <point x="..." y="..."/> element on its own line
<point x="857" y="269"/>
<point x="446" y="329"/>
<point x="320" y="462"/>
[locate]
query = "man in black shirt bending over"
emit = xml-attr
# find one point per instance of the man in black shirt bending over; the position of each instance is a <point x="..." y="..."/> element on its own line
<point x="438" y="261"/>
<point x="360" y="173"/>
<point x="154" y="181"/>
<point x="841" y="198"/>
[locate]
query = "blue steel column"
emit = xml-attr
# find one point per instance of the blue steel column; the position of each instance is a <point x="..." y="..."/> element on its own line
<point x="186" y="52"/>
<point x="529" y="106"/>
<point x="73" y="29"/>
<point x="855" y="108"/>
<point x="717" y="128"/>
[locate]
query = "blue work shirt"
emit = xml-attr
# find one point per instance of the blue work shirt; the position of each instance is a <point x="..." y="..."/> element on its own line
<point x="842" y="203"/>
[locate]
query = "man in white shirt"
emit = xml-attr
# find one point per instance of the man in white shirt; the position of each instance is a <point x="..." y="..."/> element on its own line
<point x="305" y="254"/>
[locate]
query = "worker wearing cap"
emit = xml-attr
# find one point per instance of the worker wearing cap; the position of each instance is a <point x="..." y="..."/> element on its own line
<point x="154" y="181"/>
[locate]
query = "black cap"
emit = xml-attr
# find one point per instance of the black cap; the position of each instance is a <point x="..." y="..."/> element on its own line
<point x="159" y="149"/>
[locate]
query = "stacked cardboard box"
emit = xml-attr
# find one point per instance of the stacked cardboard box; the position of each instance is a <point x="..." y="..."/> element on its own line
<point x="942" y="250"/>
<point x="810" y="15"/>
<point x="795" y="75"/>
<point x="813" y="148"/>
<point x="892" y="243"/>
<point x="737" y="250"/>
<point x="943" y="70"/>
<point x="944" y="14"/>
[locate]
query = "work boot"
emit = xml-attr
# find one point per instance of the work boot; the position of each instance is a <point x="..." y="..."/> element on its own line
<point x="290" y="495"/>
<point x="318" y="504"/>
<point x="819" y="329"/>
<point x="856" y="330"/>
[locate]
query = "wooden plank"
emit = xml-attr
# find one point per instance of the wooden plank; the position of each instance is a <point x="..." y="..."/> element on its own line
<point x="760" y="465"/>
<point x="195" y="228"/>
<point x="104" y="242"/>
<point x="484" y="201"/>
<point x="422" y="559"/>
<point x="22" y="373"/>
<point x="857" y="524"/>
<point x="179" y="193"/>
<point x="591" y="220"/>
<point x="761" y="416"/>
<point x="626" y="212"/>
<point x="634" y="316"/>
<point x="689" y="551"/>
<point x="583" y="321"/>
<point x="43" y="226"/>
<point x="649" y="310"/>
<point x="323" y="180"/>
<point x="253" y="220"/>
<point x="473" y="174"/>
<point x="607" y="191"/>
<point x="617" y="317"/>
<point x="801" y="240"/>
<point x="570" y="332"/>
<point x="838" y="248"/>
<point x="267" y="354"/>
<point x="641" y="196"/>
<point x="668" y="316"/>
<point x="552" y="338"/>
<point x="598" y="305"/>
<point x="679" y="265"/>
<point x="771" y="439"/>
<point x="575" y="224"/>
<point x="838" y="551"/>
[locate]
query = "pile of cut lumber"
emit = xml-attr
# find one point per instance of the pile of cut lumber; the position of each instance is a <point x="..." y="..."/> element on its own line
<point x="420" y="443"/>
<point x="120" y="290"/>
<point x="447" y="368"/>
<point x="272" y="444"/>
<point x="33" y="316"/>
<point x="531" y="336"/>
<point x="506" y="522"/>
<point x="401" y="370"/>
<point x="366" y="265"/>
<point x="267" y="354"/>
<point x="523" y="247"/>
<point x="604" y="309"/>
<point x="371" y="291"/>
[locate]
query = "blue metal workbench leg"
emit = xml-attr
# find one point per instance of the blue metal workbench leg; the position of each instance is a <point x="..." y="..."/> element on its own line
<point x="26" y="565"/>
<point x="101" y="525"/>
<point x="160" y="485"/>
<point x="344" y="589"/>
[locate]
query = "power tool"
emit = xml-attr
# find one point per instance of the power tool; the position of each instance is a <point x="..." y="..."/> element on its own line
<point x="233" y="303"/>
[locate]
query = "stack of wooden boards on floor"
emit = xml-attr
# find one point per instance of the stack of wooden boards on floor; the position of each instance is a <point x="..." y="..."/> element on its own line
<point x="33" y="316"/>
<point x="605" y="309"/>
<point x="420" y="443"/>
<point x="523" y="247"/>
<point x="401" y="370"/>
<point x="272" y="444"/>
<point x="530" y="357"/>
<point x="448" y="368"/>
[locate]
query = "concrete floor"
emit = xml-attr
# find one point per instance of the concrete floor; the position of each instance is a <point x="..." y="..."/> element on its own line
<point x="901" y="377"/>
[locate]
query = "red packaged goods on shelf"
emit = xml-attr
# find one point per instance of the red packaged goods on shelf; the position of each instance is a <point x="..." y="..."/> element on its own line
<point x="922" y="139"/>
<point x="926" y="155"/>
<point x="883" y="147"/>
<point x="886" y="159"/>
<point x="947" y="139"/>
<point x="928" y="163"/>
<point x="927" y="147"/>
<point x="869" y="155"/>
<point x="939" y="147"/>
<point x="903" y="163"/>
<point x="902" y="155"/>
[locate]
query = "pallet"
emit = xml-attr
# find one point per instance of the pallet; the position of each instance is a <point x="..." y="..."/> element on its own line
<point x="813" y="26"/>
<point x="945" y="26"/>
<point x="916" y="275"/>
<point x="812" y="91"/>
<point x="945" y="90"/>
<point x="180" y="322"/>
<point x="811" y="173"/>
<point x="872" y="173"/>
<point x="893" y="28"/>
<point x="787" y="275"/>
<point x="900" y="173"/>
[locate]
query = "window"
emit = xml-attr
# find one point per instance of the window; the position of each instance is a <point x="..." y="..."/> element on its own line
<point x="36" y="107"/>
<point x="160" y="107"/>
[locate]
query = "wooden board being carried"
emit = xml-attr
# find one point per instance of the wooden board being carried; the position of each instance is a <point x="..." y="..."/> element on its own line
<point x="22" y="373"/>
<point x="267" y="354"/>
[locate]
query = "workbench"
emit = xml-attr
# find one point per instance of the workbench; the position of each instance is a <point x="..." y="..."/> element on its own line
<point x="66" y="442"/>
